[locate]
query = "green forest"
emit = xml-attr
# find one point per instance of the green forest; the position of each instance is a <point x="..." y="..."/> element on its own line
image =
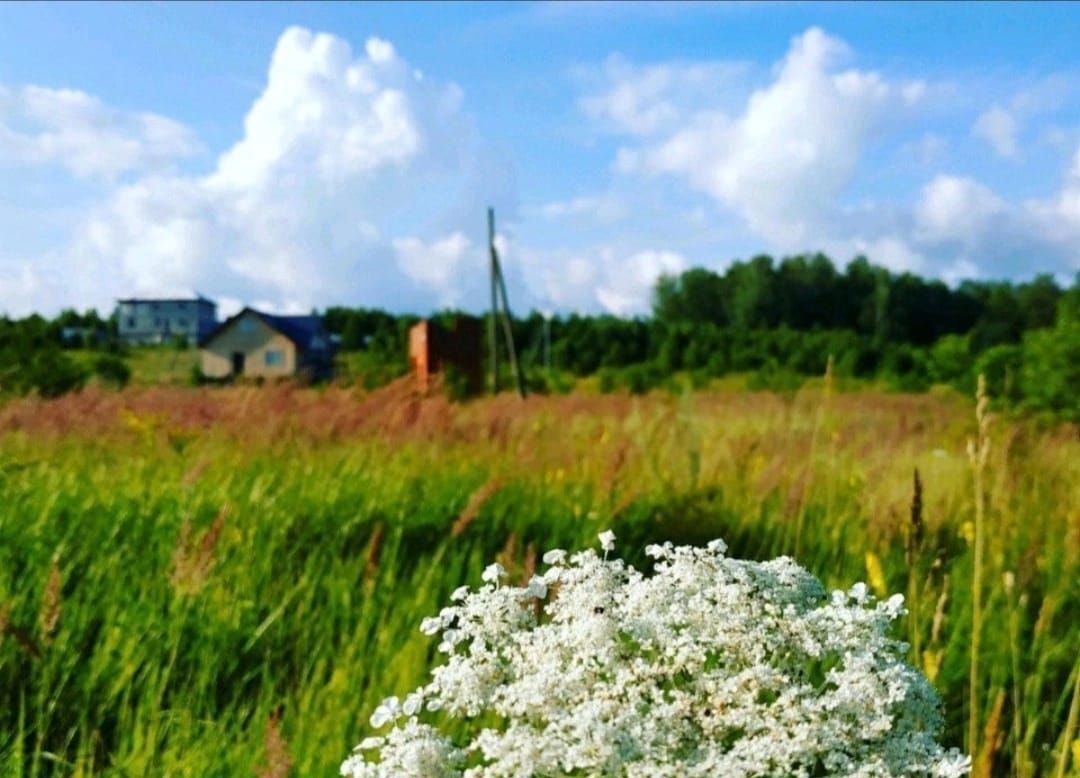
<point x="777" y="322"/>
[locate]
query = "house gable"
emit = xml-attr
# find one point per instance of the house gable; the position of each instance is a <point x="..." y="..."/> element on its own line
<point x="249" y="340"/>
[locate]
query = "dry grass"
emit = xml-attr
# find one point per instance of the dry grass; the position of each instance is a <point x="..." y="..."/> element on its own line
<point x="354" y="515"/>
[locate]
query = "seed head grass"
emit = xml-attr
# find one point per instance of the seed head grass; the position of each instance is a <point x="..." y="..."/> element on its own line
<point x="171" y="649"/>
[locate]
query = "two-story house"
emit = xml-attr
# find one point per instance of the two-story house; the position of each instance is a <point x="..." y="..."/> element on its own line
<point x="143" y="321"/>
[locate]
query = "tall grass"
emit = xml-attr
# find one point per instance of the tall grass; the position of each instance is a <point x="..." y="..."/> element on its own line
<point x="220" y="583"/>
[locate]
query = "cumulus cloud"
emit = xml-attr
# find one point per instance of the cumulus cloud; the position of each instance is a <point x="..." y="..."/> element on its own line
<point x="645" y="99"/>
<point x="628" y="285"/>
<point x="445" y="265"/>
<point x="977" y="232"/>
<point x="999" y="128"/>
<point x="601" y="276"/>
<point x="317" y="202"/>
<point x="782" y="162"/>
<point x="787" y="159"/>
<point x="890" y="251"/>
<point x="84" y="135"/>
<point x="1058" y="217"/>
<point x="953" y="208"/>
<point x="356" y="179"/>
<point x="20" y="287"/>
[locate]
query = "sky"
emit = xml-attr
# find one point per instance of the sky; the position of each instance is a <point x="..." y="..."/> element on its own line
<point x="297" y="156"/>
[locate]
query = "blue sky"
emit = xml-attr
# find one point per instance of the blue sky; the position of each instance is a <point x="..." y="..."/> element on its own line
<point x="300" y="155"/>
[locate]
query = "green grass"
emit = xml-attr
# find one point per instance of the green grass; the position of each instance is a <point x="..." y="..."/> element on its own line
<point x="179" y="634"/>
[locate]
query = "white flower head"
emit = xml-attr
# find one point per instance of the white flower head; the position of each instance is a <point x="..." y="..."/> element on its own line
<point x="554" y="557"/>
<point x="387" y="711"/>
<point x="493" y="572"/>
<point x="699" y="669"/>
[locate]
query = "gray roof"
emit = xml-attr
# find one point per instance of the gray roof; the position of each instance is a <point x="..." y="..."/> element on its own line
<point x="196" y="299"/>
<point x="301" y="330"/>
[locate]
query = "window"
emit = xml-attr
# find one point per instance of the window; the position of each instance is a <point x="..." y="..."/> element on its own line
<point x="274" y="358"/>
<point x="246" y="326"/>
<point x="131" y="322"/>
<point x="181" y="322"/>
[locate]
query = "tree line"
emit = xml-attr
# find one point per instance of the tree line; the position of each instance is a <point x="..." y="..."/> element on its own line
<point x="775" y="321"/>
<point x="781" y="321"/>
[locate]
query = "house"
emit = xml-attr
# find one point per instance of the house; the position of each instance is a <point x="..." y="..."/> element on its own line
<point x="144" y="321"/>
<point x="253" y="344"/>
<point x="434" y="348"/>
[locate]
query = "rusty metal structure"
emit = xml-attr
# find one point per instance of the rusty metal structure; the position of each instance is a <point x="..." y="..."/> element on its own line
<point x="434" y="349"/>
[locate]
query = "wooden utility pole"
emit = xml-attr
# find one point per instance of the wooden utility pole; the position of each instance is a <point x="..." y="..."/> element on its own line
<point x="492" y="331"/>
<point x="498" y="286"/>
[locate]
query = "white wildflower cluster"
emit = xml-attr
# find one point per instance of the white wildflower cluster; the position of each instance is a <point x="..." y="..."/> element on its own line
<point x="708" y="667"/>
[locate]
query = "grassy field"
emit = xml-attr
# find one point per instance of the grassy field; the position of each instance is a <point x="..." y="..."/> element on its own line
<point x="226" y="582"/>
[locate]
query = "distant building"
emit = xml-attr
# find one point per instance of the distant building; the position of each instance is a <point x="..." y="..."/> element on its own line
<point x="83" y="336"/>
<point x="140" y="322"/>
<point x="433" y="349"/>
<point x="253" y="344"/>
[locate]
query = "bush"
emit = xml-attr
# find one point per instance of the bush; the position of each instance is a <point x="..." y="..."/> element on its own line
<point x="1001" y="366"/>
<point x="456" y="382"/>
<point x="607" y="379"/>
<point x="51" y="373"/>
<point x="640" y="379"/>
<point x="112" y="370"/>
<point x="1050" y="372"/>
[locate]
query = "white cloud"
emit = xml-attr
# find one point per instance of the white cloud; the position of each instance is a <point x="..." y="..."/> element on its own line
<point x="890" y="251"/>
<point x="67" y="127"/>
<point x="357" y="180"/>
<point x="597" y="277"/>
<point x="999" y="128"/>
<point x="974" y="231"/>
<point x="20" y="286"/>
<point x="443" y="264"/>
<point x="1059" y="216"/>
<point x="604" y="208"/>
<point x="379" y="51"/>
<point x="785" y="159"/>
<point x="952" y="208"/>
<point x="306" y="207"/>
<point x="788" y="159"/>
<point x="645" y="99"/>
<point x="628" y="287"/>
<point x="960" y="270"/>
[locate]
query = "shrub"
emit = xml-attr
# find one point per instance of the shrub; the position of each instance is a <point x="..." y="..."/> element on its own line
<point x="52" y="373"/>
<point x="709" y="667"/>
<point x="112" y="370"/>
<point x="1050" y="373"/>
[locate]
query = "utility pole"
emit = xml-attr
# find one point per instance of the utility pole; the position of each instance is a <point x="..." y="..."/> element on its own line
<point x="498" y="285"/>
<point x="492" y="333"/>
<point x="547" y="342"/>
